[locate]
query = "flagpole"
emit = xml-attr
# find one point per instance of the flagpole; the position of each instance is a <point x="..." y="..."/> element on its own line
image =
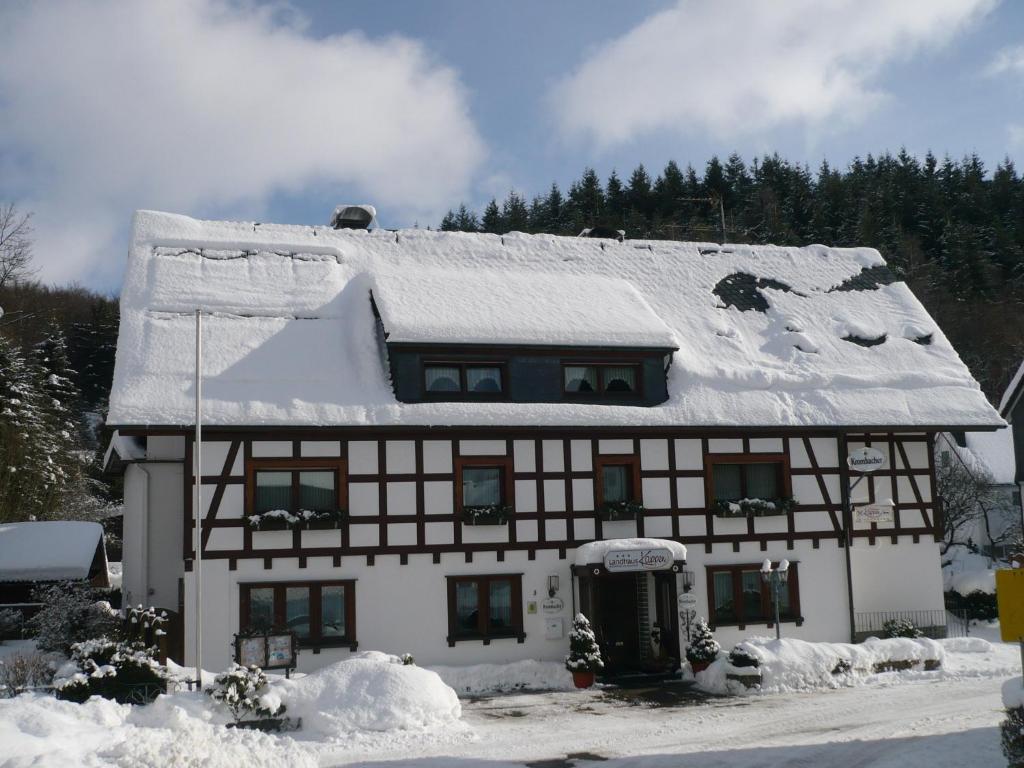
<point x="197" y="563"/>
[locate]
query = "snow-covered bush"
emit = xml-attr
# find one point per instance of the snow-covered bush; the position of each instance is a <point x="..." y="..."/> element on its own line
<point x="70" y="615"/>
<point x="11" y="622"/>
<point x="246" y="693"/>
<point x="741" y="658"/>
<point x="125" y="672"/>
<point x="703" y="648"/>
<point x="584" y="652"/>
<point x="144" y="625"/>
<point x="978" y="604"/>
<point x="408" y="659"/>
<point x="901" y="628"/>
<point x="1012" y="728"/>
<point x="21" y="672"/>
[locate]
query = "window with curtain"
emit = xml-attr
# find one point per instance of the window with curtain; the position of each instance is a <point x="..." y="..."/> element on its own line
<point x="619" y="378"/>
<point x="580" y="378"/>
<point x="616" y="482"/>
<point x="319" y="613"/>
<point x="739" y="596"/>
<point x="749" y="480"/>
<point x="442" y="378"/>
<point x="273" y="491"/>
<point x="481" y="607"/>
<point x="295" y="489"/>
<point x="481" y="486"/>
<point x="483" y="379"/>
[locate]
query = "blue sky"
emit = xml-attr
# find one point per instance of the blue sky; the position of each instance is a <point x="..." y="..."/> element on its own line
<point x="217" y="108"/>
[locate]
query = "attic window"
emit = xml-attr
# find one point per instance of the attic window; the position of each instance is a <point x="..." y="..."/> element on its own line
<point x="457" y="378"/>
<point x="743" y="291"/>
<point x="609" y="380"/>
<point x="864" y="342"/>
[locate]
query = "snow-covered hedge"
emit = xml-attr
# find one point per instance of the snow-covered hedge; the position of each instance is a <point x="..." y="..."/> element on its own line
<point x="123" y="671"/>
<point x="795" y="665"/>
<point x="369" y="691"/>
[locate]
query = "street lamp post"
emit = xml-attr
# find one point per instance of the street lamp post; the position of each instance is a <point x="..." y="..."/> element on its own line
<point x="775" y="578"/>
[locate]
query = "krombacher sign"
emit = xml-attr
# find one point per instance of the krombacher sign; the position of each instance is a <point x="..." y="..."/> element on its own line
<point x="866" y="460"/>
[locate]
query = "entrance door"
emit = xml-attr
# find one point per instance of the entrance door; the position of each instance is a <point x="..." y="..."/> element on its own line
<point x="665" y="599"/>
<point x="618" y="623"/>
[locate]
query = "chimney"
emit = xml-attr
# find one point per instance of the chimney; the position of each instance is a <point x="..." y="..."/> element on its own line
<point x="353" y="216"/>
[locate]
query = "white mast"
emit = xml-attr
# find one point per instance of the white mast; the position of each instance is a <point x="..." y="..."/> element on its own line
<point x="197" y="562"/>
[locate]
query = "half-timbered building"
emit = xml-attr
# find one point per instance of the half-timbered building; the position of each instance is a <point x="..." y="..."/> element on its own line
<point x="447" y="443"/>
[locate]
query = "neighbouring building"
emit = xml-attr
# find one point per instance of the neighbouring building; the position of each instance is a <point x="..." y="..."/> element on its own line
<point x="38" y="553"/>
<point x="447" y="443"/>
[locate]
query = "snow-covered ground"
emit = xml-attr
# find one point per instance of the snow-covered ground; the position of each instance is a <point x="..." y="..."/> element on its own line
<point x="909" y="719"/>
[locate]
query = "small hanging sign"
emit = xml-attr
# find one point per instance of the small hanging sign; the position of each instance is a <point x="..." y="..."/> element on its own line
<point x="553" y="605"/>
<point x="866" y="460"/>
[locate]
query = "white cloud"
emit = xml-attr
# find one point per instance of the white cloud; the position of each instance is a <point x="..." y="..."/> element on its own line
<point x="733" y="68"/>
<point x="1015" y="133"/>
<point x="1007" y="60"/>
<point x="210" y="107"/>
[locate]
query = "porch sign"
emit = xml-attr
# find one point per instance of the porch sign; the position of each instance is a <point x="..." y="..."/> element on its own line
<point x="866" y="460"/>
<point x="638" y="559"/>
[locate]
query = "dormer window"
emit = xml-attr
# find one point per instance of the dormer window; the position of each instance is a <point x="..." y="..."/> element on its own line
<point x="471" y="379"/>
<point x="601" y="379"/>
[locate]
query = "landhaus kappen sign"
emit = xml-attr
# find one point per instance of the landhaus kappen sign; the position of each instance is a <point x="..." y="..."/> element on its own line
<point x="638" y="559"/>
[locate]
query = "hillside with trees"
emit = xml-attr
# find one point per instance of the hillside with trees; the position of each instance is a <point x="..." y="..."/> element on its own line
<point x="952" y="230"/>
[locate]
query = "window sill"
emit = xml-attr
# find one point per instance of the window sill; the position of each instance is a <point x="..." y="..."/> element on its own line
<point x="519" y="637"/>
<point x="770" y="624"/>
<point x="317" y="645"/>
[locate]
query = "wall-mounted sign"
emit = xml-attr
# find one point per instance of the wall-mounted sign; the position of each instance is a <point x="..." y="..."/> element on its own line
<point x="531" y="606"/>
<point x="687" y="600"/>
<point x="553" y="605"/>
<point x="873" y="513"/>
<point x="638" y="559"/>
<point x="867" y="460"/>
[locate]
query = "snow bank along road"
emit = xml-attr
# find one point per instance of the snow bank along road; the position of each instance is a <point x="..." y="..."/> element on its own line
<point x="926" y="724"/>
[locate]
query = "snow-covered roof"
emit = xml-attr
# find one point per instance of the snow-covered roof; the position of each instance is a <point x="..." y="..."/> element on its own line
<point x="595" y="551"/>
<point x="50" y="550"/>
<point x="762" y="331"/>
<point x="510" y="306"/>
<point x="986" y="453"/>
<point x="121" y="450"/>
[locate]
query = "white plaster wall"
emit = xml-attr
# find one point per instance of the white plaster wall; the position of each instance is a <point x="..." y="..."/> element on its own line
<point x="164" y="524"/>
<point x="900" y="577"/>
<point x="135" y="575"/>
<point x="399" y="609"/>
<point x="165" y="448"/>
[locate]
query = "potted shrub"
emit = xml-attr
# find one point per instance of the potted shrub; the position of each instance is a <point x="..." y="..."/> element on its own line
<point x="703" y="648"/>
<point x="584" y="659"/>
<point x="247" y="695"/>
<point x="490" y="514"/>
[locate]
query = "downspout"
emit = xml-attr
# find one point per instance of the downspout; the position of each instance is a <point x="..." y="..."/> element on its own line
<point x="844" y="490"/>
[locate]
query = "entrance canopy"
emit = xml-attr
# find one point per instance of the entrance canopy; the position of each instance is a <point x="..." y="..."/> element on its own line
<point x="622" y="555"/>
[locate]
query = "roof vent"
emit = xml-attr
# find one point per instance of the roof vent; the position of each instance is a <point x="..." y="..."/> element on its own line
<point x="353" y="216"/>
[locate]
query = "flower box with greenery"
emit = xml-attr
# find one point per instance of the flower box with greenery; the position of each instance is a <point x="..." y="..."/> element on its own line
<point x="584" y="659"/>
<point x="612" y="511"/>
<point x="274" y="520"/>
<point x="753" y="507"/>
<point x="322" y="520"/>
<point x="703" y="648"/>
<point x="490" y="514"/>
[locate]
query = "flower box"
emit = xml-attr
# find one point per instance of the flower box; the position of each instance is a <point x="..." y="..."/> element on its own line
<point x="493" y="514"/>
<point x="271" y="522"/>
<point x="753" y="508"/>
<point x="323" y="521"/>
<point x="613" y="511"/>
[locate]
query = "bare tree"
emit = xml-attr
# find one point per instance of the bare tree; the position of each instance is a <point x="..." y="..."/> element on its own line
<point x="15" y="245"/>
<point x="963" y="494"/>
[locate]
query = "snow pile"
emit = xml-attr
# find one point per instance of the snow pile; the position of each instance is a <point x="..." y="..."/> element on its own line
<point x="797" y="665"/>
<point x="526" y="675"/>
<point x="370" y="691"/>
<point x="43" y="732"/>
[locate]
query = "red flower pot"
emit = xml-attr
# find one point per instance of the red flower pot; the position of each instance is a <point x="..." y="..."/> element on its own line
<point x="699" y="666"/>
<point x="583" y="679"/>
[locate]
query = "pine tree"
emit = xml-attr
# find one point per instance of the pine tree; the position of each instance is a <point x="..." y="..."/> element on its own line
<point x="584" y="652"/>
<point x="514" y="214"/>
<point x="492" y="221"/>
<point x="703" y="647"/>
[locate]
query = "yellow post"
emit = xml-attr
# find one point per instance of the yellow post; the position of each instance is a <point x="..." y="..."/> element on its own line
<point x="1010" y="603"/>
